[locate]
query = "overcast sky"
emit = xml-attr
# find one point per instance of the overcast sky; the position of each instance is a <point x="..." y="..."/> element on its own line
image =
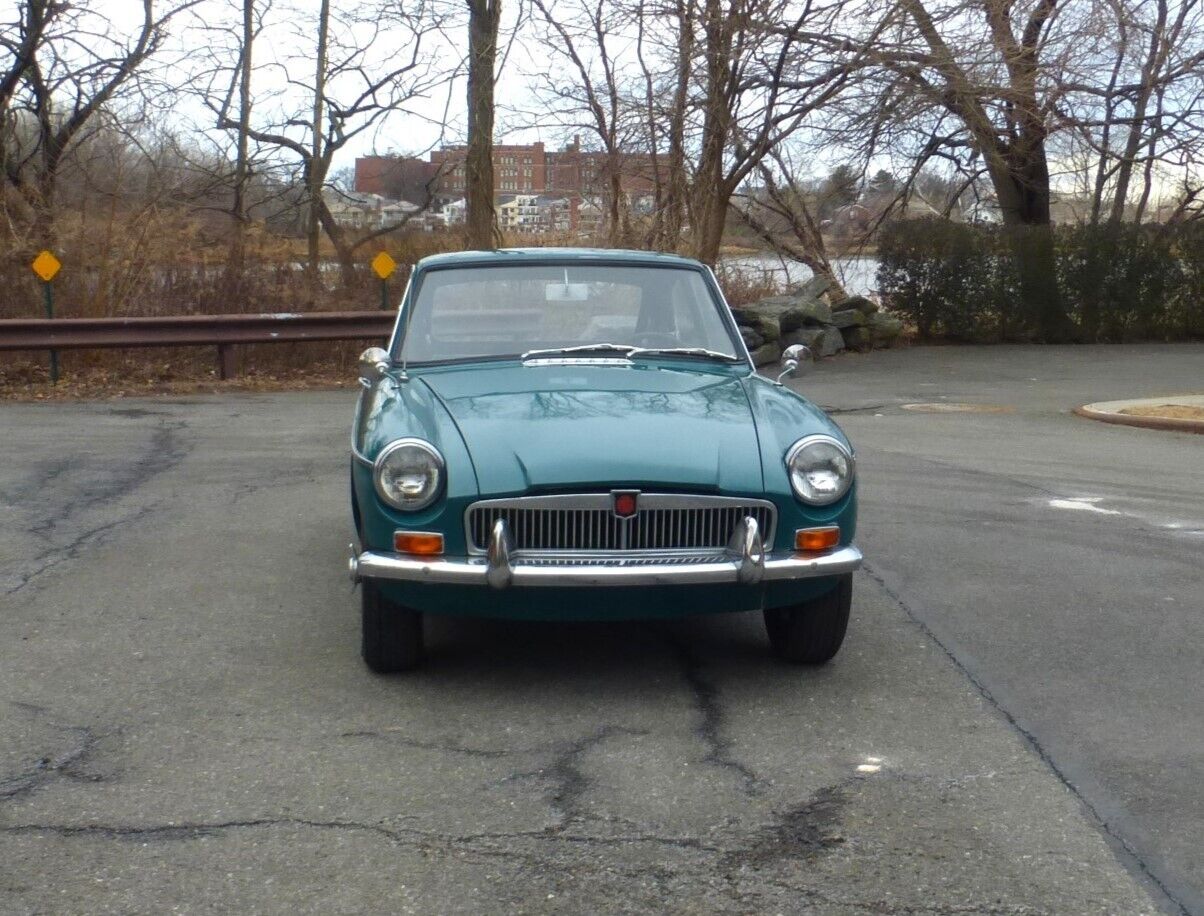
<point x="287" y="43"/>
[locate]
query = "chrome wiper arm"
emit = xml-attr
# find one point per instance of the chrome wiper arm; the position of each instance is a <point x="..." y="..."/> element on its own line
<point x="625" y="349"/>
<point x="682" y="351"/>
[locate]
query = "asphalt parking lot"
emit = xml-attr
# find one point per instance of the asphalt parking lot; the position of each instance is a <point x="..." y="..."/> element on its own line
<point x="1013" y="726"/>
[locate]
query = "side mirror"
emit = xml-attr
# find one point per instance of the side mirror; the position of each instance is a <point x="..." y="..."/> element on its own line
<point x="374" y="363"/>
<point x="796" y="360"/>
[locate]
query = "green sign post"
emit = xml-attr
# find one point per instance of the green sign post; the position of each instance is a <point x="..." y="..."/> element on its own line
<point x="46" y="266"/>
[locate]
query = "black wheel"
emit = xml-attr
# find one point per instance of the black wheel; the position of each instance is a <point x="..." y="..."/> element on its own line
<point x="392" y="633"/>
<point x="811" y="633"/>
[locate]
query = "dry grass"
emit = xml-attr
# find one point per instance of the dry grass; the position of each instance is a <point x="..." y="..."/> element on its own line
<point x="161" y="262"/>
<point x="155" y="263"/>
<point x="742" y="285"/>
<point x="1169" y="411"/>
<point x="177" y="371"/>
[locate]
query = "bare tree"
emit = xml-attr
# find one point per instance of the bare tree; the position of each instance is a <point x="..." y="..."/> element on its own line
<point x="316" y="165"/>
<point x="1149" y="112"/>
<point x="762" y="79"/>
<point x="69" y="63"/>
<point x="484" y="17"/>
<point x="578" y="32"/>
<point x="979" y="74"/>
<point x="250" y="23"/>
<point x="672" y="184"/>
<point x="366" y="67"/>
<point x="781" y="215"/>
<point x="242" y="166"/>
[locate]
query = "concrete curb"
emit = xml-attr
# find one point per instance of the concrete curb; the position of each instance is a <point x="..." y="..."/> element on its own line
<point x="1109" y="412"/>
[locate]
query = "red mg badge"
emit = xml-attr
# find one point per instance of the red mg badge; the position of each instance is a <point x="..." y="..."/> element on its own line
<point x="626" y="502"/>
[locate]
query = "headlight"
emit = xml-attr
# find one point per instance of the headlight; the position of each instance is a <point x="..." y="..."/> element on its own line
<point x="408" y="474"/>
<point x="820" y="468"/>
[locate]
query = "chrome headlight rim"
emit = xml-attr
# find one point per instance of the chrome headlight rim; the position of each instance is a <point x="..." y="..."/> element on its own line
<point x="394" y="446"/>
<point x="803" y="443"/>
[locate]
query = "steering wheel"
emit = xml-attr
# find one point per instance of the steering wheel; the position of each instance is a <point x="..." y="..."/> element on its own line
<point x="655" y="339"/>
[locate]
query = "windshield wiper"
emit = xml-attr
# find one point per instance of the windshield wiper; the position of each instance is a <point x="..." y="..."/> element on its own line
<point x="630" y="351"/>
<point x="625" y="349"/>
<point x="682" y="351"/>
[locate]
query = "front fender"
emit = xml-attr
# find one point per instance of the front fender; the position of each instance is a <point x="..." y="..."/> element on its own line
<point x="782" y="418"/>
<point x="394" y="409"/>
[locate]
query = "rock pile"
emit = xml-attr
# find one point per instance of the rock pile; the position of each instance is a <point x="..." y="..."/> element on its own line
<point x="805" y="315"/>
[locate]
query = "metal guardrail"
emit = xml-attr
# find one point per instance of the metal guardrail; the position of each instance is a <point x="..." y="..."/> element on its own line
<point x="222" y="331"/>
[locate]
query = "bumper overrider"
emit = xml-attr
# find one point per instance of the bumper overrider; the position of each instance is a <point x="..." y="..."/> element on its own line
<point x="744" y="562"/>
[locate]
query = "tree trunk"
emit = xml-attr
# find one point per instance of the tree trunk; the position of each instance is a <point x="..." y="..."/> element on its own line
<point x="53" y="148"/>
<point x="709" y="222"/>
<point x="480" y="229"/>
<point x="45" y="232"/>
<point x="676" y="189"/>
<point x="238" y="209"/>
<point x="1128" y="158"/>
<point x="316" y="174"/>
<point x="1020" y="177"/>
<point x="1024" y="198"/>
<point x="616" y="231"/>
<point x="711" y="195"/>
<point x="343" y="249"/>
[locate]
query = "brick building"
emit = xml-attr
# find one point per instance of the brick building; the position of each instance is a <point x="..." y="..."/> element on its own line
<point x="396" y="177"/>
<point x="517" y="169"/>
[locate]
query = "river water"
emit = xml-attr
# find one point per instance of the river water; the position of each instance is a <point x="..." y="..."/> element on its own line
<point x="857" y="274"/>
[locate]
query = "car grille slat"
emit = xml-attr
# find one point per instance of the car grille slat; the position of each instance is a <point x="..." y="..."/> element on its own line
<point x="663" y="522"/>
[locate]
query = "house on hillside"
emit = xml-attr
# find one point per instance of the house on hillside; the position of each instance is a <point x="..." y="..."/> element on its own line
<point x="369" y="212"/>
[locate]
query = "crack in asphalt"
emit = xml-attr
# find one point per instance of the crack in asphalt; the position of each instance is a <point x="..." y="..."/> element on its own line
<point x="50" y="471"/>
<point x="891" y="907"/>
<point x="1117" y="839"/>
<point x="710" y="729"/>
<point x="48" y="767"/>
<point x="399" y="835"/>
<point x="568" y="779"/>
<point x="434" y="745"/>
<point x="804" y="831"/>
<point x="53" y="556"/>
<point x="838" y="411"/>
<point x="164" y="452"/>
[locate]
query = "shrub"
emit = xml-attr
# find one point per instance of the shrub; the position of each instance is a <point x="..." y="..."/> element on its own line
<point x="1116" y="283"/>
<point x="742" y="285"/>
<point x="1186" y="310"/>
<point x="949" y="279"/>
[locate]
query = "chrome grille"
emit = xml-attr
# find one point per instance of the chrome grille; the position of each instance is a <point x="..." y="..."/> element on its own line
<point x="587" y="522"/>
<point x="579" y="560"/>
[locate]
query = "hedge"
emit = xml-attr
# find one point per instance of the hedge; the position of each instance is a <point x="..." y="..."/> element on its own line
<point x="961" y="281"/>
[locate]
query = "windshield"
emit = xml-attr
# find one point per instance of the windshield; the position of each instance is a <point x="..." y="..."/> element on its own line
<point x="511" y="310"/>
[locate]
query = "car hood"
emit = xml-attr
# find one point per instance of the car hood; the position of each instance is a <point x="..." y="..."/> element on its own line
<point x="558" y="426"/>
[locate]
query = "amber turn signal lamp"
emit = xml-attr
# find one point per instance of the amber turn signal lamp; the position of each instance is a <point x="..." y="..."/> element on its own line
<point x="812" y="539"/>
<point x="420" y="543"/>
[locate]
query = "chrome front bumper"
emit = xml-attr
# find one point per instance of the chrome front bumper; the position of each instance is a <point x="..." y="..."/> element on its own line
<point x="743" y="562"/>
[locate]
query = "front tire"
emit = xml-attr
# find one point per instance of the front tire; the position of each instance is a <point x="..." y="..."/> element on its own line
<point x="810" y="633"/>
<point x="392" y="634"/>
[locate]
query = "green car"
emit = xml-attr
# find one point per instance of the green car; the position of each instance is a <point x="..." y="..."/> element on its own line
<point x="570" y="434"/>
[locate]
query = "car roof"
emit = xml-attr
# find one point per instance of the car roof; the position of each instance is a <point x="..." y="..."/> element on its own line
<point x="555" y="255"/>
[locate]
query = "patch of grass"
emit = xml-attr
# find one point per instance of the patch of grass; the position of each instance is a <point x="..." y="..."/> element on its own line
<point x="1169" y="411"/>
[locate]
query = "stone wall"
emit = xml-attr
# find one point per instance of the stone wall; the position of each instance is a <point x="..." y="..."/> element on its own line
<point x="806" y="316"/>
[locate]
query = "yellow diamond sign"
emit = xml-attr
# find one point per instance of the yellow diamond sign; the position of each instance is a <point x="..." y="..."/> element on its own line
<point x="384" y="265"/>
<point x="46" y="265"/>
